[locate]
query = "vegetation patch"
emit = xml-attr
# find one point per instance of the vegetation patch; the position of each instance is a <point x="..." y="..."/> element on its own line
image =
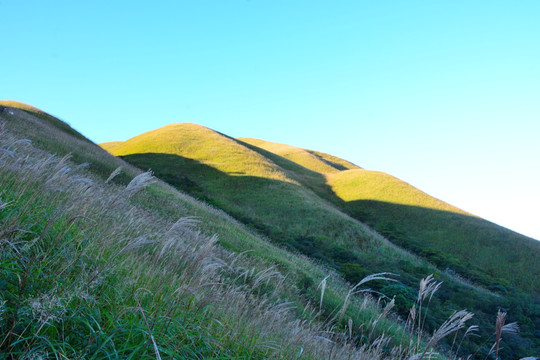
<point x="119" y="275"/>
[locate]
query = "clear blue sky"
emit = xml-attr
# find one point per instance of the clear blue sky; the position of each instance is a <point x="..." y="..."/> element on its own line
<point x="442" y="94"/>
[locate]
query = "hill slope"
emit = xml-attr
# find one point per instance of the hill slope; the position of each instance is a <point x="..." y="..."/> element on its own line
<point x="447" y="236"/>
<point x="224" y="172"/>
<point x="106" y="264"/>
<point x="299" y="200"/>
<point x="254" y="183"/>
<point x="277" y="190"/>
<point x="313" y="160"/>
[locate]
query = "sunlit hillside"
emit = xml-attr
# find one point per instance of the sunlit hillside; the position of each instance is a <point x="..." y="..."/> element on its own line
<point x="366" y="185"/>
<point x="310" y="159"/>
<point x="110" y="145"/>
<point x="449" y="237"/>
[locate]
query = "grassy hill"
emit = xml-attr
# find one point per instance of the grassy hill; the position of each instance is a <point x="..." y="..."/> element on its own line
<point x="271" y="194"/>
<point x="455" y="241"/>
<point x="228" y="174"/>
<point x="260" y="193"/>
<point x="115" y="274"/>
<point x="449" y="237"/>
<point x="445" y="235"/>
<point x="299" y="200"/>
<point x="313" y="160"/>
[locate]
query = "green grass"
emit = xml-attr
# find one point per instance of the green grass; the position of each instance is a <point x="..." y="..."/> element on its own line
<point x="102" y="322"/>
<point x="228" y="173"/>
<point x="233" y="177"/>
<point x="451" y="238"/>
<point x="374" y="185"/>
<point x="74" y="287"/>
<point x="45" y="118"/>
<point x="445" y="235"/>
<point x="303" y="214"/>
<point x="57" y="137"/>
<point x="76" y="284"/>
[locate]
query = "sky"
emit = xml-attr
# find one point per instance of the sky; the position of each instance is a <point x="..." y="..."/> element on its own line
<point x="444" y="95"/>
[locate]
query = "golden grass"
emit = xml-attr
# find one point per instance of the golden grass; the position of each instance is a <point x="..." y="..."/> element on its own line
<point x="108" y="146"/>
<point x="204" y="145"/>
<point x="360" y="184"/>
<point x="313" y="160"/>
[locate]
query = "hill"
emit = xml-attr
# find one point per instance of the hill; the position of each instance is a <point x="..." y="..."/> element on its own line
<point x="447" y="236"/>
<point x="228" y="174"/>
<point x="133" y="272"/>
<point x="283" y="196"/>
<point x="257" y="281"/>
<point x="105" y="278"/>
<point x="310" y="159"/>
<point x="443" y="234"/>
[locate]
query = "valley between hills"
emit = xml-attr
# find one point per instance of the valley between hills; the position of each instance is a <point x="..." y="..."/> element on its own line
<point x="243" y="249"/>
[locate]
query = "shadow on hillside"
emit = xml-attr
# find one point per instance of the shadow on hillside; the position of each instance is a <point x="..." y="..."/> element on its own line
<point x="469" y="246"/>
<point x="286" y="213"/>
<point x="281" y="210"/>
<point x="312" y="180"/>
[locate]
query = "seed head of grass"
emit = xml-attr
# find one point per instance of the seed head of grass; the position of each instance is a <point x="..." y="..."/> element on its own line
<point x="428" y="287"/>
<point x="500" y="328"/>
<point x="139" y="182"/>
<point x="455" y="323"/>
<point x="322" y="285"/>
<point x="117" y="171"/>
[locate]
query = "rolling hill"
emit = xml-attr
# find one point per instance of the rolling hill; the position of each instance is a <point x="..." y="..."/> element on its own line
<point x="312" y="160"/>
<point x="318" y="205"/>
<point x="447" y="236"/>
<point x="241" y="282"/>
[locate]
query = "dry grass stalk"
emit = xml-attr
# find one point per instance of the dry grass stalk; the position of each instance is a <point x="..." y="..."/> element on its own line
<point x="115" y="173"/>
<point x="500" y="328"/>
